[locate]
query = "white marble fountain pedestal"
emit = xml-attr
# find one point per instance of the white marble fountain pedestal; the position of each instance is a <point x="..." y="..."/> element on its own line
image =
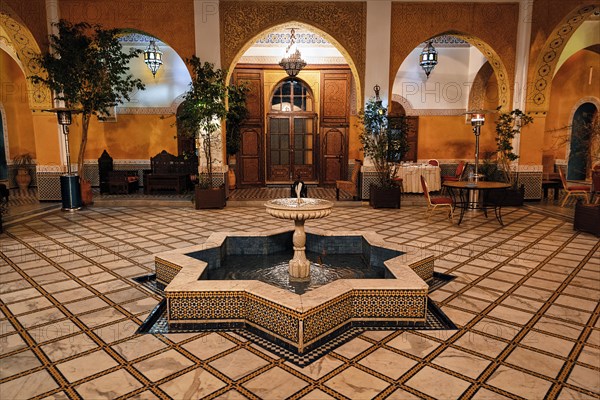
<point x="299" y="210"/>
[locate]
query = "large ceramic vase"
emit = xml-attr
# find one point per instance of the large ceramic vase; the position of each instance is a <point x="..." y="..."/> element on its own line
<point x="210" y="198"/>
<point x="384" y="197"/>
<point x="23" y="179"/>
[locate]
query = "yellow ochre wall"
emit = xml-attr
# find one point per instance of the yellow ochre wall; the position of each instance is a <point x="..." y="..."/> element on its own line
<point x="132" y="137"/>
<point x="570" y="85"/>
<point x="13" y="96"/>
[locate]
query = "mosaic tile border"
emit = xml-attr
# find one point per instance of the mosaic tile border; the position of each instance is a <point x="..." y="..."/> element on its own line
<point x="300" y="321"/>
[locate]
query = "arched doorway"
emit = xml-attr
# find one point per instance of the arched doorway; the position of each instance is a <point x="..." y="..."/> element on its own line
<point x="579" y="147"/>
<point x="291" y="133"/>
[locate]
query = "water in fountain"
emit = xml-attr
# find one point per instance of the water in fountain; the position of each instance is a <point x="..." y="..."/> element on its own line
<point x="273" y="269"/>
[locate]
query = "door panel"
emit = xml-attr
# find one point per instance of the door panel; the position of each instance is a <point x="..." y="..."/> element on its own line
<point x="279" y="149"/>
<point x="249" y="157"/>
<point x="334" y="160"/>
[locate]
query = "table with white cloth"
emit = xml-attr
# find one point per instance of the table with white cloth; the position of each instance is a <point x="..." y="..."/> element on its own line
<point x="411" y="177"/>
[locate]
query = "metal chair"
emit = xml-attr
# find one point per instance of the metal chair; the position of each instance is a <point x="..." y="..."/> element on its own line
<point x="434" y="162"/>
<point x="435" y="202"/>
<point x="350" y="186"/>
<point x="573" y="190"/>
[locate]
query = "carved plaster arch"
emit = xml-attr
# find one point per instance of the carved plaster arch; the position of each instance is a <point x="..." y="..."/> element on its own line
<point x="408" y="108"/>
<point x="343" y="24"/>
<point x="588" y="99"/>
<point x="19" y="37"/>
<point x="495" y="62"/>
<point x="478" y="89"/>
<point x="548" y="57"/>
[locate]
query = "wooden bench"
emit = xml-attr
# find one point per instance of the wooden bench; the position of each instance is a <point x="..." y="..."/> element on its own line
<point x="169" y="172"/>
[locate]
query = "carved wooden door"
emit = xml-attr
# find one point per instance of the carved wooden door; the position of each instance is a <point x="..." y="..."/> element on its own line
<point x="291" y="148"/>
<point x="333" y="155"/>
<point x="250" y="158"/>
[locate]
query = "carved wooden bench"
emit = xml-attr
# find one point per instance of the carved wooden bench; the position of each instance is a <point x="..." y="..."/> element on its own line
<point x="170" y="172"/>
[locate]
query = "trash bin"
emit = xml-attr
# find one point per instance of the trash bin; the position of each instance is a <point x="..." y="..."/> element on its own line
<point x="70" y="192"/>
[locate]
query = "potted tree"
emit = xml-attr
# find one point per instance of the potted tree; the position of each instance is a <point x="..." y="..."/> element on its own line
<point x="201" y="114"/>
<point x="508" y="124"/>
<point x="384" y="145"/>
<point x="22" y="162"/>
<point x="87" y="69"/>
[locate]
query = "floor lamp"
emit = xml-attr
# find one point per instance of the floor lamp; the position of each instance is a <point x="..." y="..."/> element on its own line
<point x="477" y="121"/>
<point x="69" y="183"/>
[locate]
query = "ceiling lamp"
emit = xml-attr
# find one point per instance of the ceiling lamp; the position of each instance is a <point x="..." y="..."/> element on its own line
<point x="293" y="62"/>
<point x="153" y="57"/>
<point x="428" y="58"/>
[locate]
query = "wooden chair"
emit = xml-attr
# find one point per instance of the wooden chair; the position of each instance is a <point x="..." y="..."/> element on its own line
<point x="434" y="162"/>
<point x="573" y="190"/>
<point x="435" y="202"/>
<point x="596" y="186"/>
<point x="350" y="186"/>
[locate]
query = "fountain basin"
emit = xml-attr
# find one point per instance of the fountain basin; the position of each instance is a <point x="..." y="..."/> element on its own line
<point x="298" y="322"/>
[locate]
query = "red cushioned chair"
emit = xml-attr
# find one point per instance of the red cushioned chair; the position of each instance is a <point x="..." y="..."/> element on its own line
<point x="435" y="202"/>
<point x="573" y="190"/>
<point x="457" y="175"/>
<point x="434" y="162"/>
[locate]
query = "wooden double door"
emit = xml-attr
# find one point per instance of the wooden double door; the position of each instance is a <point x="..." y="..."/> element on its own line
<point x="290" y="139"/>
<point x="291" y="148"/>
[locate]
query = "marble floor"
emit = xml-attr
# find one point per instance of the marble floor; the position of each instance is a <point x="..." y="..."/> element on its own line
<point x="525" y="300"/>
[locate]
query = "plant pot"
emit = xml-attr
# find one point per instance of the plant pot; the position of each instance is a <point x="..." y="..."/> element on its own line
<point x="210" y="198"/>
<point x="86" y="193"/>
<point x="384" y="197"/>
<point x="23" y="179"/>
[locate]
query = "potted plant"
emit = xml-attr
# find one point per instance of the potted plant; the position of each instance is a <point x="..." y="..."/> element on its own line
<point x="384" y="145"/>
<point x="22" y="162"/>
<point x="200" y="116"/>
<point x="87" y="69"/>
<point x="508" y="124"/>
<point x="237" y="112"/>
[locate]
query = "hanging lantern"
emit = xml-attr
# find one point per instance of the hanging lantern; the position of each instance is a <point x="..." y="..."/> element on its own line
<point x="293" y="62"/>
<point x="153" y="57"/>
<point x="428" y="58"/>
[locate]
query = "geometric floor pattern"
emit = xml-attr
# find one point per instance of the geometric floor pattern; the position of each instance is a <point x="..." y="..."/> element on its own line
<point x="525" y="301"/>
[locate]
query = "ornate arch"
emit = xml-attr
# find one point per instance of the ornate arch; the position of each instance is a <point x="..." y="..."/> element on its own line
<point x="495" y="62"/>
<point x="478" y="90"/>
<point x="549" y="55"/>
<point x="19" y="37"/>
<point x="343" y="24"/>
<point x="408" y="108"/>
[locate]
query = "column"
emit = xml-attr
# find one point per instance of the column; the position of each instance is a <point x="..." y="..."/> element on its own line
<point x="207" y="31"/>
<point x="377" y="71"/>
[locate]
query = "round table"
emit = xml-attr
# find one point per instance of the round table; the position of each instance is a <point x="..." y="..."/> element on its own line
<point x="465" y="189"/>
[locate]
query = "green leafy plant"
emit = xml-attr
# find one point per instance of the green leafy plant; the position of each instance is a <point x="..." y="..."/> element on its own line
<point x="202" y="110"/>
<point x="88" y="70"/>
<point x="237" y="112"/>
<point x="508" y="124"/>
<point x="384" y="143"/>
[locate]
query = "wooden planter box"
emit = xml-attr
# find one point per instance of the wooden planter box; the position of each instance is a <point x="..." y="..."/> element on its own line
<point x="210" y="198"/>
<point x="384" y="197"/>
<point x="587" y="218"/>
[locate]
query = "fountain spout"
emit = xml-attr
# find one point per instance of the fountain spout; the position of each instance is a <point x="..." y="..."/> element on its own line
<point x="299" y="211"/>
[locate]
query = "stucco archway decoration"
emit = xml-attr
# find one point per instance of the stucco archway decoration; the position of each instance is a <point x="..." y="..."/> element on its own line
<point x="343" y="24"/>
<point x="539" y="98"/>
<point x="496" y="64"/>
<point x="26" y="48"/>
<point x="478" y="89"/>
